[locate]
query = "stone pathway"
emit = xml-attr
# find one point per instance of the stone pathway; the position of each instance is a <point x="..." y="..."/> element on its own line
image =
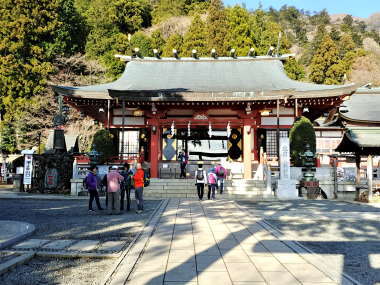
<point x="64" y="247"/>
<point x="217" y="242"/>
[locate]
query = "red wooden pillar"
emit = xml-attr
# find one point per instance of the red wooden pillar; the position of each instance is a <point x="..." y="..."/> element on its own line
<point x="154" y="147"/>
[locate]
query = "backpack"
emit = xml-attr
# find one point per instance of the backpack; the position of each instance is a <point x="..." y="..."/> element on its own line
<point x="146" y="179"/>
<point x="127" y="177"/>
<point x="200" y="175"/>
<point x="221" y="172"/>
<point x="84" y="183"/>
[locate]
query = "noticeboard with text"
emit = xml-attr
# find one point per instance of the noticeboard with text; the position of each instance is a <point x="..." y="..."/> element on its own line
<point x="28" y="169"/>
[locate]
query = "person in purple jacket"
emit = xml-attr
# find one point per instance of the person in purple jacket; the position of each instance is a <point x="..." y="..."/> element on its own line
<point x="92" y="186"/>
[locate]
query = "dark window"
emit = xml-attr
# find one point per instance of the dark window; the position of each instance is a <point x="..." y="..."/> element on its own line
<point x="130" y="146"/>
<point x="271" y="141"/>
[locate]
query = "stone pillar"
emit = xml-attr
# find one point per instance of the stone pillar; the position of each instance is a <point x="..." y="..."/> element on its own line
<point x="255" y="147"/>
<point x="357" y="180"/>
<point x="370" y="176"/>
<point x="154" y="148"/>
<point x="247" y="150"/>
<point x="286" y="187"/>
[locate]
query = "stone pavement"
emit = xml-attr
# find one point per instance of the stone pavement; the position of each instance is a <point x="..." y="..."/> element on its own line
<point x="217" y="242"/>
<point x="65" y="247"/>
<point x="13" y="231"/>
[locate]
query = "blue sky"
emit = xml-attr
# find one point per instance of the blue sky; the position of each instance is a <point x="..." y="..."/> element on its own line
<point x="358" y="8"/>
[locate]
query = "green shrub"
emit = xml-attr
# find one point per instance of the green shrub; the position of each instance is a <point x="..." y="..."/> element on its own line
<point x="301" y="133"/>
<point x="103" y="143"/>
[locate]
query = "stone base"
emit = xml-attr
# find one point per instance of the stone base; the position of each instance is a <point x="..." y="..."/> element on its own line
<point x="76" y="187"/>
<point x="286" y="189"/>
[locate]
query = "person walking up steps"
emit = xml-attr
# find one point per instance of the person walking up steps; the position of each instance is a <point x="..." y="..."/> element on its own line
<point x="212" y="180"/>
<point x="138" y="181"/>
<point x="221" y="175"/>
<point x="183" y="160"/>
<point x="113" y="180"/>
<point x="200" y="180"/>
<point x="91" y="183"/>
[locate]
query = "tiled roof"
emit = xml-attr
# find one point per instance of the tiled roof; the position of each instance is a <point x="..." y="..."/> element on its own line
<point x="364" y="140"/>
<point x="364" y="106"/>
<point x="248" y="77"/>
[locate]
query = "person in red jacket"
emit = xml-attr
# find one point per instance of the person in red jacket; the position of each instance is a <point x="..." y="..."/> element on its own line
<point x="138" y="180"/>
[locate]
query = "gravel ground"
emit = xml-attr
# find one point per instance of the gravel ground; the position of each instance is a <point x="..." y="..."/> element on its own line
<point x="352" y="243"/>
<point x="69" y="219"/>
<point x="58" y="271"/>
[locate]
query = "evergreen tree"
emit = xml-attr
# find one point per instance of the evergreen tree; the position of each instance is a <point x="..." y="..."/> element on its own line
<point x="175" y="41"/>
<point x="301" y="133"/>
<point x="321" y="18"/>
<point x="196" y="38"/>
<point x="71" y="36"/>
<point x="217" y="27"/>
<point x="346" y="44"/>
<point x="347" y="25"/>
<point x="319" y="36"/>
<point x="108" y="20"/>
<point x="100" y="17"/>
<point x="294" y="69"/>
<point x="165" y="9"/>
<point x="157" y="41"/>
<point x="335" y="34"/>
<point x="26" y="30"/>
<point x="326" y="67"/>
<point x="348" y="52"/>
<point x="143" y="42"/>
<point x="238" y="35"/>
<point x="132" y="15"/>
<point x="312" y="47"/>
<point x="265" y="33"/>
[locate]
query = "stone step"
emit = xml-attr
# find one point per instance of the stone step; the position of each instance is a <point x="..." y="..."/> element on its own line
<point x="247" y="189"/>
<point x="244" y="182"/>
<point x="193" y="188"/>
<point x="251" y="197"/>
<point x="245" y="196"/>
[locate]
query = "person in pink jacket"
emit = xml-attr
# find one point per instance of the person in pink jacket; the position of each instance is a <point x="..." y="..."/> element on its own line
<point x="114" y="180"/>
<point x="221" y="174"/>
<point x="212" y="181"/>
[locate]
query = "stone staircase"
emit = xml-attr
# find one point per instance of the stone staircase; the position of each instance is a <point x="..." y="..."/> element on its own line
<point x="185" y="188"/>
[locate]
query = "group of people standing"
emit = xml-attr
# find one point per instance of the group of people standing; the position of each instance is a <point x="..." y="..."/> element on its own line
<point x="214" y="178"/>
<point x="118" y="187"/>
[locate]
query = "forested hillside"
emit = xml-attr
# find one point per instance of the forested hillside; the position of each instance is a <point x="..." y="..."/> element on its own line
<point x="73" y="42"/>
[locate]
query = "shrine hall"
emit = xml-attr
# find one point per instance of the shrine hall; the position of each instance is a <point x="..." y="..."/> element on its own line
<point x="216" y="108"/>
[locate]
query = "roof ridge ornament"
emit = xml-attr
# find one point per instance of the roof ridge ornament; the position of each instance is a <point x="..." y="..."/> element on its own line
<point x="251" y="52"/>
<point x="176" y="56"/>
<point x="233" y="53"/>
<point x="214" y="54"/>
<point x="136" y="52"/>
<point x="175" y="53"/>
<point x="270" y="51"/>
<point x="194" y="53"/>
<point x="156" y="53"/>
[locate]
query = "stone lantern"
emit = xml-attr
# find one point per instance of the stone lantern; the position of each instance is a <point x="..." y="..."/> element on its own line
<point x="308" y="181"/>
